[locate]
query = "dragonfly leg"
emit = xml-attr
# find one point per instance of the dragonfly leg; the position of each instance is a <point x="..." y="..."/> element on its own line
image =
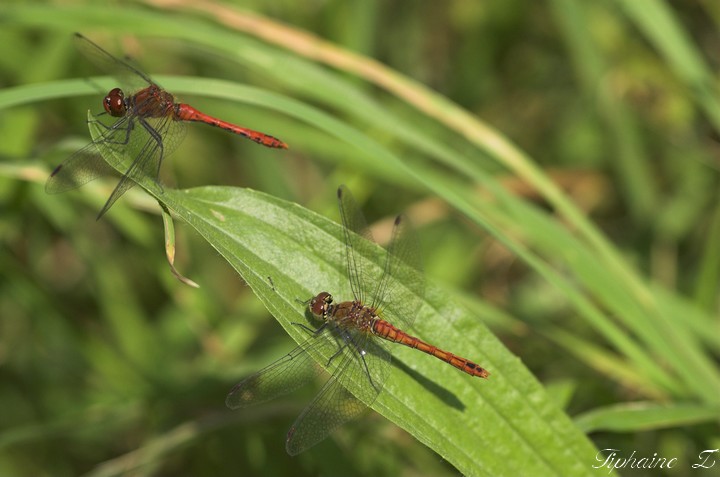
<point x="103" y="125"/>
<point x="158" y="140"/>
<point x="337" y="353"/>
<point x="306" y="328"/>
<point x="367" y="372"/>
<point x="310" y="330"/>
<point x="123" y="125"/>
<point x="361" y="353"/>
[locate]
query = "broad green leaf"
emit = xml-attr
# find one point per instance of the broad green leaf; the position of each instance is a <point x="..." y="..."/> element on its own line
<point x="477" y="425"/>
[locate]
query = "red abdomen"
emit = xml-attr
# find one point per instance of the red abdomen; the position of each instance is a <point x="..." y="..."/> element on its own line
<point x="387" y="331"/>
<point x="185" y="112"/>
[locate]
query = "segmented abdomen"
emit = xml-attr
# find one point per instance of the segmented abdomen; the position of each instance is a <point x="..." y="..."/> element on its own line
<point x="387" y="331"/>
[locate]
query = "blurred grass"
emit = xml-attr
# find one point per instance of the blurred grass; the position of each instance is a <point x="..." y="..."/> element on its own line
<point x="614" y="219"/>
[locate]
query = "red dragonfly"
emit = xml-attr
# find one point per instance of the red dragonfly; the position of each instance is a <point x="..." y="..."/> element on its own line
<point x="149" y="126"/>
<point x="348" y="335"/>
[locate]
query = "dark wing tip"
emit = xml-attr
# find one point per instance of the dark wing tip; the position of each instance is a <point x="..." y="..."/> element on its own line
<point x="230" y="402"/>
<point x="290" y="445"/>
<point x="53" y="185"/>
<point x="340" y="191"/>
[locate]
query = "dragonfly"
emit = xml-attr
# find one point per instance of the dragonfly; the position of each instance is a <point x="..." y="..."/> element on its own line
<point x="353" y="335"/>
<point x="142" y="127"/>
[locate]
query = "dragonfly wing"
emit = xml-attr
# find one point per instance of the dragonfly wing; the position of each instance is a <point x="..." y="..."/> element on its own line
<point x="172" y="133"/>
<point x="147" y="145"/>
<point x="87" y="163"/>
<point x="146" y="162"/>
<point x="359" y="245"/>
<point x="130" y="76"/>
<point x="401" y="289"/>
<point x="80" y="168"/>
<point x="364" y="362"/>
<point x="285" y="375"/>
<point x="334" y="406"/>
<point x="123" y="186"/>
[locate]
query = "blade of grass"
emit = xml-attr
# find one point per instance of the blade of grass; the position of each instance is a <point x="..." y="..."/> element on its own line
<point x="662" y="28"/>
<point x="629" y="157"/>
<point x="645" y="416"/>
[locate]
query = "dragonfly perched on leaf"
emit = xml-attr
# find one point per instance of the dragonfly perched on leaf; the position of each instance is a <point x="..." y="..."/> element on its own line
<point x="146" y="126"/>
<point x="353" y="334"/>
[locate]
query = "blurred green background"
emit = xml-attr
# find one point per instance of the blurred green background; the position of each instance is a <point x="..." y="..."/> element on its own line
<point x="593" y="255"/>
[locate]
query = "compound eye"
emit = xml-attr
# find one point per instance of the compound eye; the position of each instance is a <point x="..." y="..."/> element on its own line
<point x="319" y="304"/>
<point x="114" y="103"/>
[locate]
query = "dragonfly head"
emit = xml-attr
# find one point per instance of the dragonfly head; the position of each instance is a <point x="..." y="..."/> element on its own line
<point x="320" y="305"/>
<point x="114" y="103"/>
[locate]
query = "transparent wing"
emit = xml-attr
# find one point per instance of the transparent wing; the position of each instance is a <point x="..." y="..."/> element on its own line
<point x="147" y="145"/>
<point x="289" y="372"/>
<point x="363" y="361"/>
<point x="284" y="376"/>
<point x="87" y="164"/>
<point x="400" y="292"/>
<point x="131" y="78"/>
<point x="334" y="406"/>
<point x="147" y="140"/>
<point x="359" y="245"/>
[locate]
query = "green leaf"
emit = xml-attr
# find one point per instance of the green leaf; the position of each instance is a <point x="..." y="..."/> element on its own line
<point x="645" y="416"/>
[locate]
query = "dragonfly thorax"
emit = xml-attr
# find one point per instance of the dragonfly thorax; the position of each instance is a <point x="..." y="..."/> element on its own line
<point x="114" y="103"/>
